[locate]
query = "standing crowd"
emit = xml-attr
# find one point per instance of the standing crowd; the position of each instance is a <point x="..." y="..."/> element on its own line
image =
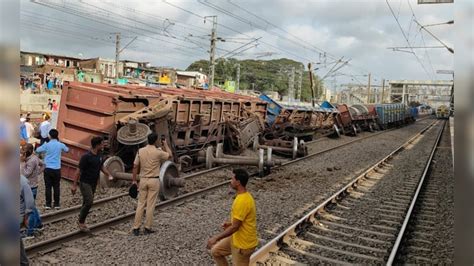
<point x="44" y="162"/>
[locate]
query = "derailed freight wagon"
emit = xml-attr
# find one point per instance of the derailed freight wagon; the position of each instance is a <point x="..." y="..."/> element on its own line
<point x="357" y="117"/>
<point x="286" y="125"/>
<point x="304" y="122"/>
<point x="190" y="120"/>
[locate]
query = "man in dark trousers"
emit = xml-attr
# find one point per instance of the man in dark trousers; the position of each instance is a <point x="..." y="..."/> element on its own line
<point x="88" y="173"/>
<point x="27" y="204"/>
<point x="239" y="237"/>
<point x="52" y="171"/>
<point x="31" y="167"/>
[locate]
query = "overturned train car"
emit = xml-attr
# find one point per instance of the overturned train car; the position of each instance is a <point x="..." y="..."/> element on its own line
<point x="285" y="121"/>
<point x="188" y="119"/>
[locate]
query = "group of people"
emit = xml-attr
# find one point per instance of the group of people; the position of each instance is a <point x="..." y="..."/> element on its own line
<point x="52" y="105"/>
<point x="31" y="83"/>
<point x="239" y="235"/>
<point x="36" y="85"/>
<point x="28" y="131"/>
<point x="32" y="168"/>
<point x="51" y="82"/>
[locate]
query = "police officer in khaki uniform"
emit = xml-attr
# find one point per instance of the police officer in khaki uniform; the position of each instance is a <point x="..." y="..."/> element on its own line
<point x="147" y="164"/>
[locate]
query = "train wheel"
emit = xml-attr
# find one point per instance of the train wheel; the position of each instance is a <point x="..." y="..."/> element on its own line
<point x="337" y="131"/>
<point x="371" y="128"/>
<point x="354" y="130"/>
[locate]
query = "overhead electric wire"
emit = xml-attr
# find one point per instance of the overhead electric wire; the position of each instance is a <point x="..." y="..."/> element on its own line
<point x="39" y="19"/>
<point x="239" y="32"/>
<point x="422" y="38"/>
<point x="55" y="32"/>
<point x="137" y="21"/>
<point x="73" y="35"/>
<point x="148" y="25"/>
<point x="113" y="24"/>
<point x="320" y="50"/>
<point x="194" y="27"/>
<point x="248" y="22"/>
<point x="58" y="28"/>
<point x="408" y="42"/>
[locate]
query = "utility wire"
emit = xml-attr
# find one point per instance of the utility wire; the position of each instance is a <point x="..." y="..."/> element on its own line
<point x="107" y="11"/>
<point x="406" y="38"/>
<point x="422" y="38"/>
<point x="319" y="50"/>
<point x="237" y="31"/>
<point x="252" y="24"/>
<point x="114" y="24"/>
<point x="183" y="25"/>
<point x="60" y="28"/>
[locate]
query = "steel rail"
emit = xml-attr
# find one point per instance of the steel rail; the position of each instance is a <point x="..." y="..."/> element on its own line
<point x="64" y="213"/>
<point x="68" y="212"/>
<point x="424" y="117"/>
<point x="52" y="243"/>
<point x="273" y="245"/>
<point x="408" y="215"/>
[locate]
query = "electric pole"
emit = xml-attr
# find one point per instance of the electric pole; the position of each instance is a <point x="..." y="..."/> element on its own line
<point x="212" y="51"/>
<point x="383" y="89"/>
<point x="238" y="78"/>
<point x="299" y="84"/>
<point x="368" y="90"/>
<point x="311" y="83"/>
<point x="117" y="52"/>
<point x="291" y="86"/>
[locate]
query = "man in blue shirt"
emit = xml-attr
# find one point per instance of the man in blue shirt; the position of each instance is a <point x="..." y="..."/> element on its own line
<point x="52" y="171"/>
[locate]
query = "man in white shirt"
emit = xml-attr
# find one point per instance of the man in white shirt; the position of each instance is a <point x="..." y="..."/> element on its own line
<point x="30" y="129"/>
<point x="45" y="127"/>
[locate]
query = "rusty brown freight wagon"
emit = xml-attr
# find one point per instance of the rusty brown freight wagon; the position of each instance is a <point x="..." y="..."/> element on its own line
<point x="189" y="119"/>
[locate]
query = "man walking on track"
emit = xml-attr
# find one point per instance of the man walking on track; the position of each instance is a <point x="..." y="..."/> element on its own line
<point x="239" y="237"/>
<point x="52" y="172"/>
<point x="88" y="174"/>
<point x="147" y="164"/>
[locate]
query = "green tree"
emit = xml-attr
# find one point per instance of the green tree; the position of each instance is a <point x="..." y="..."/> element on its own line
<point x="261" y="75"/>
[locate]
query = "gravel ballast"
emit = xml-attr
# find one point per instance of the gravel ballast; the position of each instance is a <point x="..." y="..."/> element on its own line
<point x="433" y="215"/>
<point x="281" y="198"/>
<point x="363" y="214"/>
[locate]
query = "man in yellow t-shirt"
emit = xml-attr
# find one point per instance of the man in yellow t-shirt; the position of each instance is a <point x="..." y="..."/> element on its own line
<point x="239" y="237"/>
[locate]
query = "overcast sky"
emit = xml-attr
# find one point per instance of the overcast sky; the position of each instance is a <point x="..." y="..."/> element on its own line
<point x="173" y="33"/>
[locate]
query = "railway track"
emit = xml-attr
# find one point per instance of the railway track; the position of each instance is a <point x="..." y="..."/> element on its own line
<point x="429" y="234"/>
<point x="52" y="217"/>
<point x="56" y="216"/>
<point x="53" y="243"/>
<point x="364" y="221"/>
